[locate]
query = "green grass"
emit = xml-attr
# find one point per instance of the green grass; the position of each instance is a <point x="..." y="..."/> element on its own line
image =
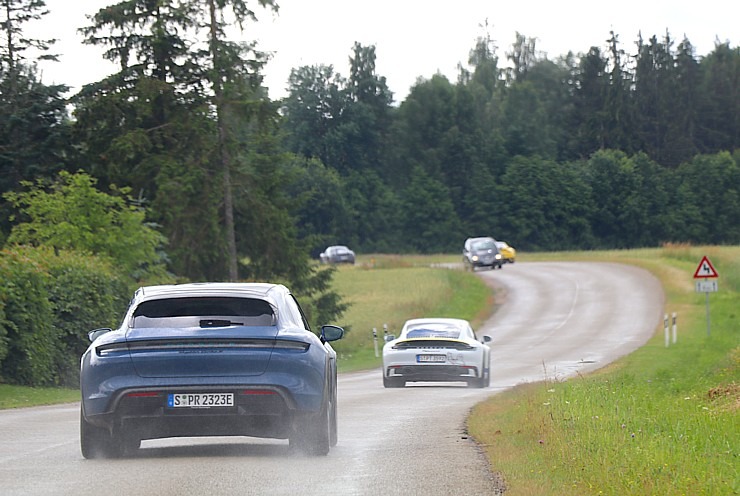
<point x="660" y="421"/>
<point x="20" y="396"/>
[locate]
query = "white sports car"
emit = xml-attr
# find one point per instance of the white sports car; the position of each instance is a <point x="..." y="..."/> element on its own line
<point x="439" y="349"/>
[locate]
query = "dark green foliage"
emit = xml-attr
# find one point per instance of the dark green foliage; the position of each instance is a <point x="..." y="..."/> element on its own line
<point x="588" y="121"/>
<point x="526" y="131"/>
<point x="85" y="294"/>
<point x="547" y="205"/>
<point x="718" y="122"/>
<point x="321" y="304"/>
<point x="495" y="149"/>
<point x="71" y="214"/>
<point x="376" y="223"/>
<point x="50" y="302"/>
<point x="33" y="132"/>
<point x="430" y="223"/>
<point x="709" y="199"/>
<point x="28" y="321"/>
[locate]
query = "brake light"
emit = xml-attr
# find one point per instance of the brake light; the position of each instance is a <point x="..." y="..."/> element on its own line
<point x="143" y="394"/>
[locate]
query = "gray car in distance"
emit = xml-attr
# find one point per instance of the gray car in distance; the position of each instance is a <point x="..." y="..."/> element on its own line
<point x="481" y="252"/>
<point x="337" y="254"/>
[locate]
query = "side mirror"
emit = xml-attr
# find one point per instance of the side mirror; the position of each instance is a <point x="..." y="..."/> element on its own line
<point x="487" y="339"/>
<point x="95" y="334"/>
<point x="331" y="333"/>
<point x="389" y="337"/>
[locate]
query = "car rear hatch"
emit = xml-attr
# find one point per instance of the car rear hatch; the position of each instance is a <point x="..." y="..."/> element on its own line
<point x="212" y="350"/>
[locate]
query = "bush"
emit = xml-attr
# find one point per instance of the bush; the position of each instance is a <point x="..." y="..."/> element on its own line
<point x="86" y="294"/>
<point x="50" y="301"/>
<point x="27" y="321"/>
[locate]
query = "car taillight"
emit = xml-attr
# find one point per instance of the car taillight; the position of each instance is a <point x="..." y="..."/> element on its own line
<point x="111" y="349"/>
<point x="284" y="344"/>
<point x="143" y="394"/>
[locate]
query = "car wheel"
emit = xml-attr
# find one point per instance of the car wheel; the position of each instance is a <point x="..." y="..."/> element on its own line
<point x="480" y="382"/>
<point x="314" y="437"/>
<point x="477" y="382"/>
<point x="393" y="382"/>
<point x="96" y="442"/>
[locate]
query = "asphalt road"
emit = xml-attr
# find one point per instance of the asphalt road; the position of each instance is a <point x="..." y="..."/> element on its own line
<point x="554" y="320"/>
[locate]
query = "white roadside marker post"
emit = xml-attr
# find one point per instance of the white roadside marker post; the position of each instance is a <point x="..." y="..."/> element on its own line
<point x="665" y="330"/>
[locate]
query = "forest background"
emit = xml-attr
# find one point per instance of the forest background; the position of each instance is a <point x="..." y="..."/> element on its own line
<point x="180" y="167"/>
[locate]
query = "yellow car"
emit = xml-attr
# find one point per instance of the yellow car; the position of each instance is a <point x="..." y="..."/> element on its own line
<point x="508" y="252"/>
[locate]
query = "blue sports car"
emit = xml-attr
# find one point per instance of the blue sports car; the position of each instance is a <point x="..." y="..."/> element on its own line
<point x="209" y="359"/>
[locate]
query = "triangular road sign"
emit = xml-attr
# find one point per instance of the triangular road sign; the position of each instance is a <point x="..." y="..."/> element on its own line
<point x="705" y="269"/>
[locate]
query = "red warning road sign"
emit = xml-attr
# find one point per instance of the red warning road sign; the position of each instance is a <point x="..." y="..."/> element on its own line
<point x="705" y="269"/>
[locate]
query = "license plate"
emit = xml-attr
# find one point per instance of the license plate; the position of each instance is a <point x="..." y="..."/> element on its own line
<point x="200" y="400"/>
<point x="431" y="358"/>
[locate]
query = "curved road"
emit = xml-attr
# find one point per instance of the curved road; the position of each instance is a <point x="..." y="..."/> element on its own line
<point x="554" y="320"/>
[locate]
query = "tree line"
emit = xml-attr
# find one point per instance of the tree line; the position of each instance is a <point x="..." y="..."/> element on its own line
<point x="598" y="149"/>
<point x="611" y="147"/>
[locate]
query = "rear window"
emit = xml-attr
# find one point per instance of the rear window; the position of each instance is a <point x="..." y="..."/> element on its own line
<point x="192" y="312"/>
<point x="434" y="331"/>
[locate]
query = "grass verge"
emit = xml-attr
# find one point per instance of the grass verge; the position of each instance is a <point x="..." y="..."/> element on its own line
<point x="21" y="396"/>
<point x="663" y="420"/>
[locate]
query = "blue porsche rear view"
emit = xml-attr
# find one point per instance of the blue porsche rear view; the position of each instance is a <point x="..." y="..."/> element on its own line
<point x="210" y="359"/>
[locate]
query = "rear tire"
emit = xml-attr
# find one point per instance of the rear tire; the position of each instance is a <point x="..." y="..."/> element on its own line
<point x="477" y="383"/>
<point x="393" y="382"/>
<point x="481" y="382"/>
<point x="97" y="442"/>
<point x="314" y="437"/>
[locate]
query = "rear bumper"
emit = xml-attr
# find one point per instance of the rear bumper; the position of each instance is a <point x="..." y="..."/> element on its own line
<point x="435" y="373"/>
<point x="258" y="411"/>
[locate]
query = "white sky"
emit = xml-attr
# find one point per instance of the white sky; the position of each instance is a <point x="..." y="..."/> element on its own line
<point x="415" y="38"/>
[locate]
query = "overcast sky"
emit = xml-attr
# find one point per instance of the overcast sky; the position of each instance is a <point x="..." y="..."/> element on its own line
<point x="416" y="38"/>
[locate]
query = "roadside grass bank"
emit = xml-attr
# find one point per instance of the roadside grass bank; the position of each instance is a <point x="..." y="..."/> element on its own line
<point x="387" y="290"/>
<point x="660" y="421"/>
<point x="22" y="396"/>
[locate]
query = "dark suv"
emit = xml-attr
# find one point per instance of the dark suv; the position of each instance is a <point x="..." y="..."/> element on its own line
<point x="481" y="252"/>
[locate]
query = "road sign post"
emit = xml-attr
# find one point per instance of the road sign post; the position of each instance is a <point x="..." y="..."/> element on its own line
<point x="706" y="282"/>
